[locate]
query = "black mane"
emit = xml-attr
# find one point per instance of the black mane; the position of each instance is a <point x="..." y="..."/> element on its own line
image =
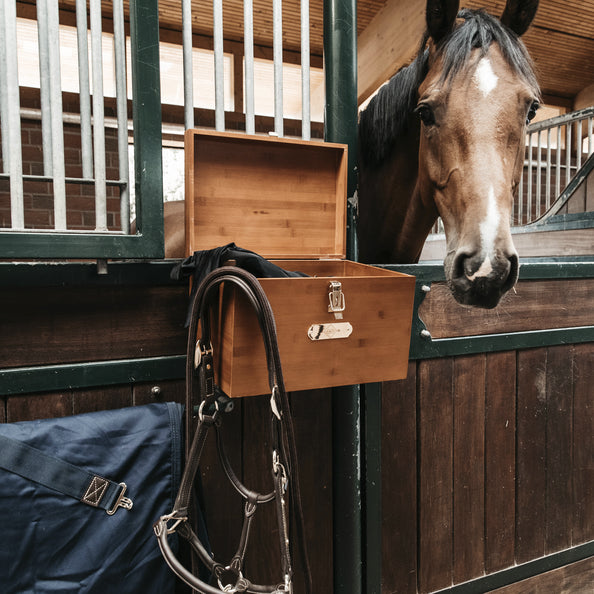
<point x="388" y="114"/>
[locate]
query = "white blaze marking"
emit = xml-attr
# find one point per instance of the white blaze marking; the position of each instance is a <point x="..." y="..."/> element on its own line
<point x="488" y="230"/>
<point x="484" y="77"/>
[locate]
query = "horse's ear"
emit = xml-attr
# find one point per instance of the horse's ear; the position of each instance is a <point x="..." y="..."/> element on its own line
<point x="441" y="15"/>
<point x="518" y="15"/>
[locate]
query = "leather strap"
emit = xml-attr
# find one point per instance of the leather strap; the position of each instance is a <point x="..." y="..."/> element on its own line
<point x="201" y="398"/>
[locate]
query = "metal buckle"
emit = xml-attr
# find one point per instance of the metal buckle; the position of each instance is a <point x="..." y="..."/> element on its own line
<point x="121" y="501"/>
<point x="200" y="352"/>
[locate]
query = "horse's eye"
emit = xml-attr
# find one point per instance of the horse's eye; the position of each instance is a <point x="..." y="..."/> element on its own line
<point x="425" y="114"/>
<point x="532" y="111"/>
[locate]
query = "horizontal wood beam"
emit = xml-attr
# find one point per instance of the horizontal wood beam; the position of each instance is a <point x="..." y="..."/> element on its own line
<point x="389" y="42"/>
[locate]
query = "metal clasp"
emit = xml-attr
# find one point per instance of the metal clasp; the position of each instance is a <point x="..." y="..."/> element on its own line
<point x="121" y="501"/>
<point x="336" y="298"/>
<point x="200" y="352"/>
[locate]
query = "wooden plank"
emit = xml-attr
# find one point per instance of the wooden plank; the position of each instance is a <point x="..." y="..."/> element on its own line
<point x="570" y="579"/>
<point x="95" y="399"/>
<point x="312" y="418"/>
<point x="169" y="391"/>
<point x="469" y="467"/>
<point x="583" y="444"/>
<point x="531" y="448"/>
<point x="559" y="427"/>
<point x="533" y="305"/>
<point x="435" y="474"/>
<point x="500" y="460"/>
<point x="38" y="406"/>
<point x="399" y="484"/>
<point x="394" y="33"/>
<point x="90" y="324"/>
<point x="263" y="563"/>
<point x="575" y="242"/>
<point x="222" y="506"/>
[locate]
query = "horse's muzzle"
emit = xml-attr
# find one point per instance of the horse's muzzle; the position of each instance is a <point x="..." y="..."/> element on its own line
<point x="480" y="282"/>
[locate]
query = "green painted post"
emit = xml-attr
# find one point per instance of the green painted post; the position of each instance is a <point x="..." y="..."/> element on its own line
<point x="146" y="114"/>
<point x="340" y="64"/>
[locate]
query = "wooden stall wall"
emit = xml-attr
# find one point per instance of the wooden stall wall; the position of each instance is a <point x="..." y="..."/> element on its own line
<point x="46" y="325"/>
<point x="487" y="462"/>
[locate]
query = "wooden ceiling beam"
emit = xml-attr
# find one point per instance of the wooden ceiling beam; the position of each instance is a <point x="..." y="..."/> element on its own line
<point x="389" y="42"/>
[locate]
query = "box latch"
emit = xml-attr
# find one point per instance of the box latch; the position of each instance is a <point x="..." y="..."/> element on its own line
<point x="336" y="297"/>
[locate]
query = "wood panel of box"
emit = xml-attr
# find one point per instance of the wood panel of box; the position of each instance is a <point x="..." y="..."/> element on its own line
<point x="345" y="323"/>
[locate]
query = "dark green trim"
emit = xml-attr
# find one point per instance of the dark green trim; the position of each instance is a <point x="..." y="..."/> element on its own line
<point x="56" y="274"/>
<point x="422" y="346"/>
<point x="340" y="68"/>
<point x="372" y="488"/>
<point x="78" y="245"/>
<point x="52" y="378"/>
<point x="146" y="110"/>
<point x="518" y="573"/>
<point x="146" y="115"/>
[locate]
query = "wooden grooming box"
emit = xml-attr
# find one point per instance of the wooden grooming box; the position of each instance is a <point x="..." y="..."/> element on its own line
<point x="346" y="323"/>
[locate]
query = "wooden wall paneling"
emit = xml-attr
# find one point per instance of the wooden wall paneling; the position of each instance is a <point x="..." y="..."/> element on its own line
<point x="263" y="557"/>
<point x="94" y="399"/>
<point x="38" y="406"/>
<point x="223" y="508"/>
<point x="399" y="484"/>
<point x="435" y="463"/>
<point x="531" y="455"/>
<point x="3" y="410"/>
<point x="168" y="391"/>
<point x="469" y="467"/>
<point x="583" y="444"/>
<point x="91" y="324"/>
<point x="559" y="428"/>
<point x="312" y="420"/>
<point x="500" y="460"/>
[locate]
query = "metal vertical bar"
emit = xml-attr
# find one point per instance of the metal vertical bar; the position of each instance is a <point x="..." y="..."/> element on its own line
<point x="119" y="42"/>
<point x="188" y="64"/>
<point x="538" y="198"/>
<point x="529" y="188"/>
<point x="217" y="8"/>
<point x="58" y="168"/>
<point x="84" y="93"/>
<point x="248" y="56"/>
<point x="146" y="113"/>
<point x="277" y="53"/>
<point x="520" y="198"/>
<point x="10" y="112"/>
<point x="578" y="144"/>
<point x="590" y="139"/>
<point x="305" y="73"/>
<point x="558" y="165"/>
<point x="44" y="87"/>
<point x="98" y="118"/>
<point x="548" y="171"/>
<point x="340" y="68"/>
<point x="567" y="153"/>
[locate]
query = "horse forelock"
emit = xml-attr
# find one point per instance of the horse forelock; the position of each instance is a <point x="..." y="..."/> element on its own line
<point x="387" y="116"/>
<point x="478" y="31"/>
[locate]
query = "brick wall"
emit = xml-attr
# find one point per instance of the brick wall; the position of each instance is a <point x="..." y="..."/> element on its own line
<point x="80" y="198"/>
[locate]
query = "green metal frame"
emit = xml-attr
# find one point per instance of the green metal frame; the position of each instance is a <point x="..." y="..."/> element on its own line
<point x="340" y="67"/>
<point x="422" y="346"/>
<point x="149" y="242"/>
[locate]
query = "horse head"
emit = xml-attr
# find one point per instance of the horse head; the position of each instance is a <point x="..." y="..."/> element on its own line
<point x="476" y="90"/>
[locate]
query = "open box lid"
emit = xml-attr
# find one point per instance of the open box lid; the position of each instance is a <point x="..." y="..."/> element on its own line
<point x="279" y="197"/>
